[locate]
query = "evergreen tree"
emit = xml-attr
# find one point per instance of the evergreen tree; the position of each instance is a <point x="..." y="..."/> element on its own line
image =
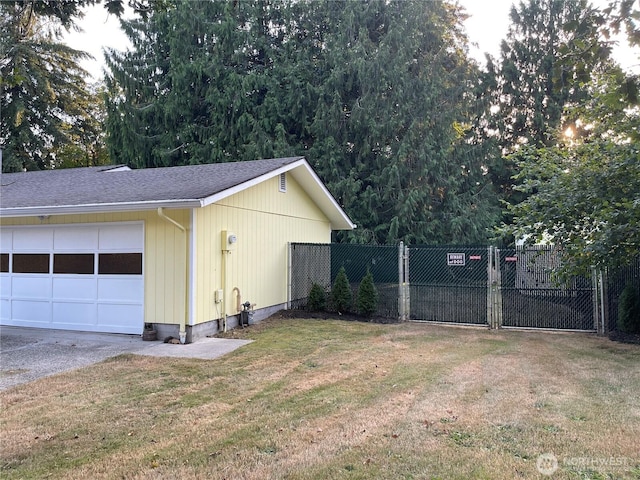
<point x="86" y="144"/>
<point x="375" y="94"/>
<point x="42" y="89"/>
<point x="206" y="83"/>
<point x="341" y="295"/>
<point x="317" y="298"/>
<point x="367" y="296"/>
<point x="392" y="124"/>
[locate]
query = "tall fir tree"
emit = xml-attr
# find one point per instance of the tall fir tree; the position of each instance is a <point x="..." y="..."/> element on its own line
<point x="42" y="89"/>
<point x="375" y="94"/>
<point x="392" y="124"/>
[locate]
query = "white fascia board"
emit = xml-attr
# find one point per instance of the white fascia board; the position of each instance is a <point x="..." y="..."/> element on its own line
<point x="216" y="197"/>
<point x="97" y="208"/>
<point x="310" y="182"/>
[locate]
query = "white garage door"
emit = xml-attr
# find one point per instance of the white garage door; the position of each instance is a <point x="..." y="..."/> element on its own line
<point x="79" y="277"/>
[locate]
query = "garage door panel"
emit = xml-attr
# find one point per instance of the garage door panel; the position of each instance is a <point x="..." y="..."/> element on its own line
<point x="120" y="288"/>
<point x="34" y="312"/>
<point x="121" y="238"/>
<point x="5" y="285"/>
<point x="31" y="286"/>
<point x="75" y="239"/>
<point x="120" y="318"/>
<point x="5" y="309"/>
<point x="74" y="313"/>
<point x="32" y="239"/>
<point x="6" y="240"/>
<point x="70" y="288"/>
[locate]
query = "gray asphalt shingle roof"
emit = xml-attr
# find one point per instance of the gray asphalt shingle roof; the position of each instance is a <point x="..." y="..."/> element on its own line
<point x="99" y="185"/>
<point x="116" y="188"/>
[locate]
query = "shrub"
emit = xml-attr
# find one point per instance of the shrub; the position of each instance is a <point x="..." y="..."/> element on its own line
<point x="629" y="310"/>
<point x="317" y="298"/>
<point x="367" y="296"/>
<point x="341" y="292"/>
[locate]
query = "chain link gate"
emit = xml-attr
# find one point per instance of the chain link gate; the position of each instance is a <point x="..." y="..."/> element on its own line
<point x="528" y="295"/>
<point x="449" y="284"/>
<point x="458" y="285"/>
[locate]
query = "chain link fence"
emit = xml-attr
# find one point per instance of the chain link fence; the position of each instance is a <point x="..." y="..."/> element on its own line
<point x="465" y="285"/>
<point x="320" y="263"/>
<point x="614" y="282"/>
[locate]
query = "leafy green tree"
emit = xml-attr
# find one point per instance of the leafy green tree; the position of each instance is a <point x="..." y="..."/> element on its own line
<point x="375" y="94"/>
<point x="623" y="16"/>
<point x="552" y="49"/>
<point x="583" y="194"/>
<point x="341" y="295"/>
<point x="367" y="296"/>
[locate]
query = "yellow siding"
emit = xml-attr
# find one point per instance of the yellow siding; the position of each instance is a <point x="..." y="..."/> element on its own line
<point x="164" y="257"/>
<point x="264" y="220"/>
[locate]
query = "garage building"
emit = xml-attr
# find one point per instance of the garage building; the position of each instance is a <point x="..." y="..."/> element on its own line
<point x="111" y="249"/>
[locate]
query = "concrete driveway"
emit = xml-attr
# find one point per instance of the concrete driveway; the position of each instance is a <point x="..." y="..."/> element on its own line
<point x="27" y="354"/>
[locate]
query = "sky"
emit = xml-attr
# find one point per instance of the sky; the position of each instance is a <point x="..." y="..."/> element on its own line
<point x="486" y="27"/>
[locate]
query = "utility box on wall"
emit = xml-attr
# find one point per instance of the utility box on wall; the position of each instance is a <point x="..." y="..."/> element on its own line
<point x="218" y="296"/>
<point x="228" y="241"/>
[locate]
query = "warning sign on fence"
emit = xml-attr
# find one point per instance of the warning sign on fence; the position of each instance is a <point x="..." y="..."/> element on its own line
<point x="456" y="259"/>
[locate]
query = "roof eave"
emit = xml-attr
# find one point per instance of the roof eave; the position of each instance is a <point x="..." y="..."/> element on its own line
<point x="42" y="211"/>
<point x="300" y="170"/>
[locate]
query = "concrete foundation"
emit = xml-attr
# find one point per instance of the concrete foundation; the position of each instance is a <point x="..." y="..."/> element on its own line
<point x="212" y="327"/>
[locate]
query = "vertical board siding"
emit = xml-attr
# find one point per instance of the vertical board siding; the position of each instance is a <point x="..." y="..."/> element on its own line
<point x="265" y="220"/>
<point x="164" y="257"/>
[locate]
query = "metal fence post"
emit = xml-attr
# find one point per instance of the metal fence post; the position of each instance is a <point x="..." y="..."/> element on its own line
<point x="401" y="312"/>
<point x="603" y="302"/>
<point x="407" y="290"/>
<point x="595" y="294"/>
<point x="490" y="287"/>
<point x="289" y="274"/>
<point x="497" y="290"/>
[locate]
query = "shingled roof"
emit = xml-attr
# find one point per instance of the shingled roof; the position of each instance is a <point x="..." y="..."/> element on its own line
<point x="118" y="188"/>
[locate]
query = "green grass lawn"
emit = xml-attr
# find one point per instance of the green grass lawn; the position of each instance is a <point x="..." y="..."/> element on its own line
<point x="318" y="399"/>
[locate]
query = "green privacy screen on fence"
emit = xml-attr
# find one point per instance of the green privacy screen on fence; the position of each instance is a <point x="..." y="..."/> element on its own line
<point x="466" y="284"/>
<point x="448" y="284"/>
<point x="319" y="263"/>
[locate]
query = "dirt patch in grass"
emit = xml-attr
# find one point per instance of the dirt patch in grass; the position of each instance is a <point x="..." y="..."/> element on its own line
<point x="322" y="398"/>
